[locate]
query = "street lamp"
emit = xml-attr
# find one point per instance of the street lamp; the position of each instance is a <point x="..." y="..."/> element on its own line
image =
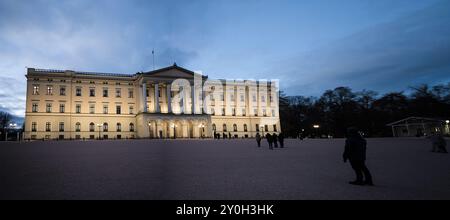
<point x="202" y="126"/>
<point x="316" y="127"/>
<point x="99" y="127"/>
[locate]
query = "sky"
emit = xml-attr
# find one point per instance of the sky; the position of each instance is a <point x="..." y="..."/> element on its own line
<point x="309" y="45"/>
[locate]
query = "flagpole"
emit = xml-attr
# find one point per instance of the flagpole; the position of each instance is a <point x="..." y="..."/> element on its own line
<point x="153" y="54"/>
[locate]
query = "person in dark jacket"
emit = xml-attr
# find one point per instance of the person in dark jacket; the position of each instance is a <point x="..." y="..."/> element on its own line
<point x="281" y="139"/>
<point x="269" y="140"/>
<point x="258" y="139"/>
<point x="355" y="152"/>
<point x="275" y="140"/>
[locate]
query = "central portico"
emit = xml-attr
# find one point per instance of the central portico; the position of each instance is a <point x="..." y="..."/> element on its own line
<point x="167" y="112"/>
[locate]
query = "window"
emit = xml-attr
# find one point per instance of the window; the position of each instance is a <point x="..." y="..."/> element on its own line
<point x="118" y="92"/>
<point x="61" y="126"/>
<point x="131" y="110"/>
<point x="33" y="126"/>
<point x="273" y="113"/>
<point x="254" y="98"/>
<point x="245" y="127"/>
<point x="78" y="91"/>
<point x="264" y="112"/>
<point x="78" y="108"/>
<point x="62" y="90"/>
<point x="35" y="107"/>
<point x="257" y="127"/>
<point x="147" y="93"/>
<point x="91" y="108"/>
<point x="213" y="111"/>
<point x="211" y="98"/>
<point x="118" y="109"/>
<point x="274" y="127"/>
<point x="105" y="127"/>
<point x="243" y="112"/>
<point x="105" y="109"/>
<point x="48" y="108"/>
<point x="159" y="92"/>
<point x="91" y="127"/>
<point x="263" y="99"/>
<point x="223" y="111"/>
<point x="242" y="98"/>
<point x="119" y="127"/>
<point x="131" y="127"/>
<point x="271" y="98"/>
<point x="62" y="108"/>
<point x="225" y="127"/>
<point x="221" y="97"/>
<point x="233" y="110"/>
<point x="49" y="90"/>
<point x="255" y="112"/>
<point x="105" y="92"/>
<point x="48" y="126"/>
<point x="234" y="127"/>
<point x="232" y="97"/>
<point x="214" y="127"/>
<point x="92" y="92"/>
<point x="266" y="128"/>
<point x="36" y="90"/>
<point x="130" y="93"/>
<point x="78" y="127"/>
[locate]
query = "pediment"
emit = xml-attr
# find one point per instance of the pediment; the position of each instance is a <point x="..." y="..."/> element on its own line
<point x="171" y="72"/>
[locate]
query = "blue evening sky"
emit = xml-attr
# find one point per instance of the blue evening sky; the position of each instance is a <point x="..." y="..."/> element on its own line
<point x="311" y="46"/>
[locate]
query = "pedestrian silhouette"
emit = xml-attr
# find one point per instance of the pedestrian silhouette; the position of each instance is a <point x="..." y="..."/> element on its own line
<point x="281" y="139"/>
<point x="275" y="140"/>
<point x="355" y="152"/>
<point x="258" y="139"/>
<point x="269" y="140"/>
<point x="438" y="143"/>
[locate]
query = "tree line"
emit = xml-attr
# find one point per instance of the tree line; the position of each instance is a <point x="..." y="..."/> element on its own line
<point x="336" y="110"/>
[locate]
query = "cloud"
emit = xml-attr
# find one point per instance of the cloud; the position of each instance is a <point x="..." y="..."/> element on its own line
<point x="388" y="56"/>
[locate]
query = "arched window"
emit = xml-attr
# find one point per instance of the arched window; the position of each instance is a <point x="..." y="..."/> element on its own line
<point x="78" y="127"/>
<point x="119" y="127"/>
<point x="92" y="126"/>
<point x="131" y="127"/>
<point x="214" y="127"/>
<point x="245" y="127"/>
<point x="234" y="127"/>
<point x="105" y="127"/>
<point x="224" y="127"/>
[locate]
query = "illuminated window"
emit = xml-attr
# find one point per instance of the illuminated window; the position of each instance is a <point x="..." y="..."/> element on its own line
<point x="36" y="90"/>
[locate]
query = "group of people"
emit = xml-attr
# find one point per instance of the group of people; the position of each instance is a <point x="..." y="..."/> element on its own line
<point x="272" y="140"/>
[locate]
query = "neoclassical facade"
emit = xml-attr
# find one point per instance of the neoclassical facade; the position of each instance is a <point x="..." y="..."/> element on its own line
<point x="171" y="102"/>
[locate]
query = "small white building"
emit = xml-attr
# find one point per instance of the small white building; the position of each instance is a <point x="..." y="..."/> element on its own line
<point x="419" y="126"/>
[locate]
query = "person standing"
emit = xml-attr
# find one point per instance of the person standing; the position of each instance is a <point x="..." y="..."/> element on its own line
<point x="275" y="140"/>
<point x="269" y="140"/>
<point x="258" y="139"/>
<point x="281" y="139"/>
<point x="355" y="152"/>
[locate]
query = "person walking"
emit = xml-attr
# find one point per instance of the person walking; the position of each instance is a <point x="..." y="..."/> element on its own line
<point x="438" y="143"/>
<point x="275" y="140"/>
<point x="258" y="139"/>
<point x="355" y="152"/>
<point x="281" y="139"/>
<point x="269" y="140"/>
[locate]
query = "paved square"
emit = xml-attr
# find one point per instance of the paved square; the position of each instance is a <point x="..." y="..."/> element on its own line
<point x="218" y="169"/>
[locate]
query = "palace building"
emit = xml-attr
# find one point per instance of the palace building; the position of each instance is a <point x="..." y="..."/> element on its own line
<point x="171" y="102"/>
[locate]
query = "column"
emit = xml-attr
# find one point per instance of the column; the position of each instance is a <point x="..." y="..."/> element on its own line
<point x="184" y="129"/>
<point x="193" y="99"/>
<point x="169" y="98"/>
<point x="144" y="97"/>
<point x="157" y="110"/>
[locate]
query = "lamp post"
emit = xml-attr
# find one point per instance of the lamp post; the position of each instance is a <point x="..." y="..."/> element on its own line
<point x="99" y="127"/>
<point x="202" y="126"/>
<point x="316" y="127"/>
<point x="446" y="126"/>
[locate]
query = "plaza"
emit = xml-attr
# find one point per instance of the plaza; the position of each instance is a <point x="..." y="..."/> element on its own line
<point x="403" y="168"/>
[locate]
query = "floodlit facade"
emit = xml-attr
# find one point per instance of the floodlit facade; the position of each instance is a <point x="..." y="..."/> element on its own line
<point x="171" y="102"/>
